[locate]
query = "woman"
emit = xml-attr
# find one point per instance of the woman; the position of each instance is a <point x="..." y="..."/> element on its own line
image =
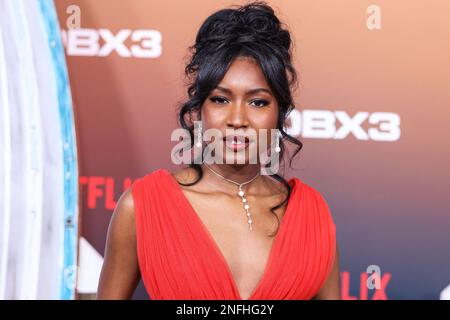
<point x="224" y="230"/>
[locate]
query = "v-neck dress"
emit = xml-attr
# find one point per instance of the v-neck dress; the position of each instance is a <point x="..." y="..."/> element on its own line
<point x="179" y="259"/>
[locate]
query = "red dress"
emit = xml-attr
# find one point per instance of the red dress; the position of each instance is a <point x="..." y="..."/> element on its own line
<point x="179" y="259"/>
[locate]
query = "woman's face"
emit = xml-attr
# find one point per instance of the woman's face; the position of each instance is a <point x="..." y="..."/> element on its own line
<point x="242" y="102"/>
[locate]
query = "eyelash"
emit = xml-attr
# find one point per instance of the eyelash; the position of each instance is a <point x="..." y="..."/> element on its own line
<point x="222" y="100"/>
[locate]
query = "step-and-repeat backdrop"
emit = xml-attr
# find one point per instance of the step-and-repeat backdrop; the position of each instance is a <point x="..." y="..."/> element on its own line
<point x="372" y="110"/>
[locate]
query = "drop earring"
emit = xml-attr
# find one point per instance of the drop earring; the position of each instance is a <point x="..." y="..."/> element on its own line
<point x="198" y="130"/>
<point x="277" y="142"/>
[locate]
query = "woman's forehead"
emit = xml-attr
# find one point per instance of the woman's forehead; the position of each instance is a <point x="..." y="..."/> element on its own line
<point x="244" y="74"/>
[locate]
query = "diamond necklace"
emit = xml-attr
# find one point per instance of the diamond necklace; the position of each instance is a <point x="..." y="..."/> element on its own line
<point x="241" y="194"/>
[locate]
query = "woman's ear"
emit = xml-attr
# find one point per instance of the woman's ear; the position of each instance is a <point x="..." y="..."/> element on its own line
<point x="194" y="115"/>
<point x="197" y="114"/>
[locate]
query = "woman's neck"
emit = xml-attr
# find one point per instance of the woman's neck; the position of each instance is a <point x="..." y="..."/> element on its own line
<point x="215" y="174"/>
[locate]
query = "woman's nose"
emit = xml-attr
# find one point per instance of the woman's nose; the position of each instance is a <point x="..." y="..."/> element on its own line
<point x="237" y="117"/>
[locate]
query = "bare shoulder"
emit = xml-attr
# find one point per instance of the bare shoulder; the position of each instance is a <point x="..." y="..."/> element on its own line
<point x="126" y="200"/>
<point x="120" y="271"/>
<point x="124" y="210"/>
<point x="122" y="228"/>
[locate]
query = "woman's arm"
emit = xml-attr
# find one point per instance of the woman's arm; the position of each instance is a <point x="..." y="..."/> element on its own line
<point x="331" y="288"/>
<point x="120" y="272"/>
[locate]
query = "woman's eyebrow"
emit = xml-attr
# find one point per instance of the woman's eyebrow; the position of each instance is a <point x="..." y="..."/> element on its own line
<point x="249" y="92"/>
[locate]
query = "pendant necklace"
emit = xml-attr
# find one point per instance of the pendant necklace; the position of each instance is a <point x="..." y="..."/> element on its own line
<point x="241" y="194"/>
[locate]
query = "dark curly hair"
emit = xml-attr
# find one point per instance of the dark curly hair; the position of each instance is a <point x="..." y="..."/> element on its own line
<point x="251" y="31"/>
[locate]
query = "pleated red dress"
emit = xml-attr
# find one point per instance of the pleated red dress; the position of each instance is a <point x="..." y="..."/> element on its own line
<point x="179" y="259"/>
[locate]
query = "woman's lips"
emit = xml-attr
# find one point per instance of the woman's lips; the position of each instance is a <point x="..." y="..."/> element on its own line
<point x="236" y="143"/>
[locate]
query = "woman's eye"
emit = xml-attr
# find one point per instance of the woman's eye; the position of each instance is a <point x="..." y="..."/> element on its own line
<point x="218" y="100"/>
<point x="259" y="103"/>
